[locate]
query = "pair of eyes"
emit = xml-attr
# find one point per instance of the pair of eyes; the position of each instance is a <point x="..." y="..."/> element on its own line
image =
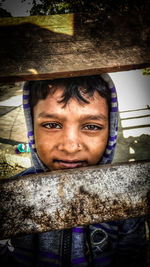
<point x="53" y="125"/>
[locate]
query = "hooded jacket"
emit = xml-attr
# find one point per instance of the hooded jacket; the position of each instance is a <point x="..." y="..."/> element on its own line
<point x="117" y="243"/>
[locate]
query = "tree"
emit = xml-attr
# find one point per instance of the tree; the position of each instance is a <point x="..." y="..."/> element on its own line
<point x="3" y="12"/>
<point x="146" y="71"/>
<point x="47" y="7"/>
<point x="50" y="7"/>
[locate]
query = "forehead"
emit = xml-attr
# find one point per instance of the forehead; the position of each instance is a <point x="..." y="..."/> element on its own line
<point x="51" y="104"/>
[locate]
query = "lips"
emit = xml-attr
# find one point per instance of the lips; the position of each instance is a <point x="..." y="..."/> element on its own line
<point x="69" y="164"/>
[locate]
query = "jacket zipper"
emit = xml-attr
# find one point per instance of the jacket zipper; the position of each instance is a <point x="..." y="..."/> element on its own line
<point x="66" y="247"/>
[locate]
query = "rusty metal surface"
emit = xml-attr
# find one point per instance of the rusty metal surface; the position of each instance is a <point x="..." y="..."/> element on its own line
<point x="62" y="199"/>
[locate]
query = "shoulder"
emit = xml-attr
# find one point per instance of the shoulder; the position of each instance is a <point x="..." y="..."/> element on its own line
<point x="30" y="170"/>
<point x="131" y="224"/>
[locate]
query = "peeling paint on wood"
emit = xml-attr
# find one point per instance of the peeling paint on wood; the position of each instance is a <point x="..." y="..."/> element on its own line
<point x="63" y="199"/>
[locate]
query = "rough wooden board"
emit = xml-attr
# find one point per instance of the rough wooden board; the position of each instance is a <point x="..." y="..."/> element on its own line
<point x="71" y="45"/>
<point x="54" y="22"/>
<point x="67" y="198"/>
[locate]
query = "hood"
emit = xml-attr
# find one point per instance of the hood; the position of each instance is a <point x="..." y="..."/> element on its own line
<point x="110" y="148"/>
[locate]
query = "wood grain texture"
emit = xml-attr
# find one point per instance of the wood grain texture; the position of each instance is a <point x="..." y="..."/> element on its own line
<point x="46" y="47"/>
<point x="69" y="198"/>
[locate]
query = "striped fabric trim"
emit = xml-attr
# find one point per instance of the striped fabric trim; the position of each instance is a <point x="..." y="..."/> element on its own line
<point x="111" y="147"/>
<point x="47" y="263"/>
<point x="112" y="138"/>
<point x="25" y="106"/>
<point x="49" y="255"/>
<point x="26" y="93"/>
<point x="25" y="100"/>
<point x="78" y="230"/>
<point x="32" y="144"/>
<point x="30" y="133"/>
<point x="114" y="109"/>
<point x="32" y="141"/>
<point x="25" y="96"/>
<point x="114" y="104"/>
<point x="114" y="99"/>
<point x="78" y="260"/>
<point x="37" y="163"/>
<point x="111" y="143"/>
<point x="108" y="154"/>
<point x="25" y="87"/>
<point x="31" y="138"/>
<point x="113" y="95"/>
<point x="108" y="151"/>
<point x="113" y="90"/>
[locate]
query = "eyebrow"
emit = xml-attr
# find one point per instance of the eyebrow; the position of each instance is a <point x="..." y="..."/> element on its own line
<point x="83" y="117"/>
<point x="47" y="115"/>
<point x="94" y="117"/>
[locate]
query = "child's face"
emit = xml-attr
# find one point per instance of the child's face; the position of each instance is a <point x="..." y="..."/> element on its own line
<point x="72" y="136"/>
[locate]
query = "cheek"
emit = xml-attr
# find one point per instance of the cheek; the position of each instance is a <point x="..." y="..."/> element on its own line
<point x="98" y="147"/>
<point x="44" y="152"/>
<point x="41" y="144"/>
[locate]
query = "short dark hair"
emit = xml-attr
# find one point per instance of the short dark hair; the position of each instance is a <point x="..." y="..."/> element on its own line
<point x="74" y="87"/>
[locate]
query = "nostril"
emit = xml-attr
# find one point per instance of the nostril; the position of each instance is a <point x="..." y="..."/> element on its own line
<point x="70" y="146"/>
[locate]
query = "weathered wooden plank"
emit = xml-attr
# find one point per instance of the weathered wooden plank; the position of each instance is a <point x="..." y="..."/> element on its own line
<point x="68" y="198"/>
<point x="43" y="47"/>
<point x="56" y="23"/>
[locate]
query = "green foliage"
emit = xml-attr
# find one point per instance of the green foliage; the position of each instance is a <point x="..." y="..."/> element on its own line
<point x="146" y="71"/>
<point x="50" y="7"/>
<point x="47" y="7"/>
<point x="4" y="13"/>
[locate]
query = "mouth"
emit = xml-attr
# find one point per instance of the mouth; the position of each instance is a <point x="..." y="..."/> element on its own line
<point x="69" y="164"/>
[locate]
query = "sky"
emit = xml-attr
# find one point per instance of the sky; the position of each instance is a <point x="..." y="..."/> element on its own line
<point x="16" y="8"/>
<point x="133" y="90"/>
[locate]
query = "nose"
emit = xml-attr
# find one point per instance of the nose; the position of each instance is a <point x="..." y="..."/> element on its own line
<point x="70" y="141"/>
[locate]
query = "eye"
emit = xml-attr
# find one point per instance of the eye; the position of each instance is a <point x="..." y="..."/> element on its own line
<point x="92" y="127"/>
<point x="51" y="125"/>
